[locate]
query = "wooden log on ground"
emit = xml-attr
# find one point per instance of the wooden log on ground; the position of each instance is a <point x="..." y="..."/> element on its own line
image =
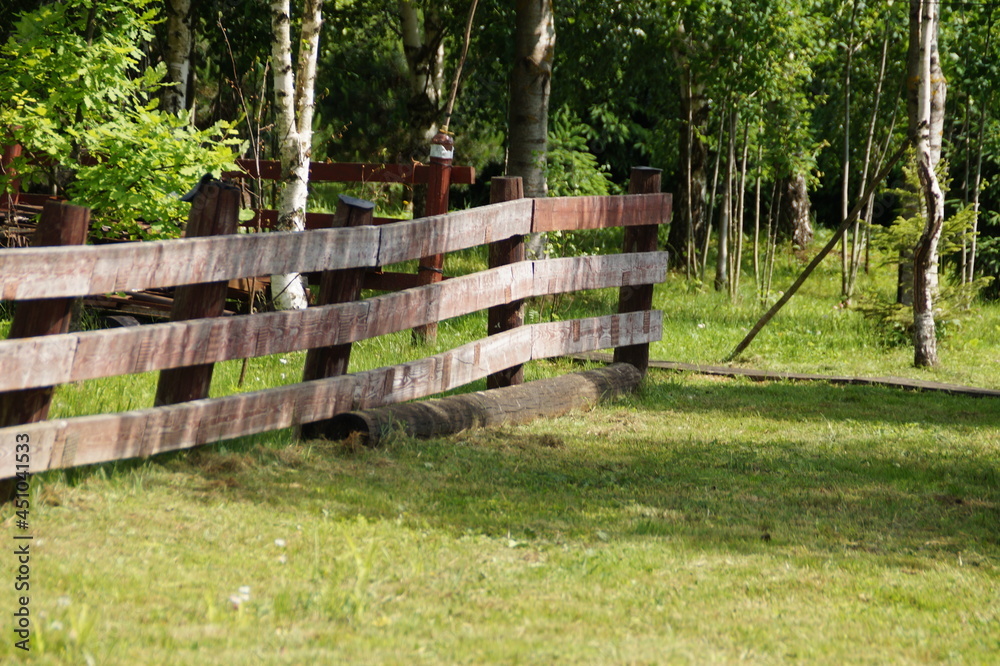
<point x="545" y="398"/>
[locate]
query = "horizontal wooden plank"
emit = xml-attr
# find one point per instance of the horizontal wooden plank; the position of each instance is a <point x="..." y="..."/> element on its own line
<point x="83" y="271"/>
<point x="100" y="438"/>
<point x="442" y="234"/>
<point x="27" y="273"/>
<point x="558" y="276"/>
<point x="351" y="172"/>
<point x="576" y="213"/>
<point x="59" y="359"/>
<point x="578" y="335"/>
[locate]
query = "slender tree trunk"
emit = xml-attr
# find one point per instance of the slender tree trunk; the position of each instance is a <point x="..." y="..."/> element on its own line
<point x="726" y="209"/>
<point x="756" y="219"/>
<point x="294" y="102"/>
<point x="734" y="282"/>
<point x="530" y="86"/>
<point x="687" y="228"/>
<point x="711" y="201"/>
<point x="976" y="189"/>
<point x="178" y="55"/>
<point x="925" y="103"/>
<point x="846" y="182"/>
<point x="861" y="240"/>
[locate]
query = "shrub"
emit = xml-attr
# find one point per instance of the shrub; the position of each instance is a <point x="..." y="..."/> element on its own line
<point x="83" y="106"/>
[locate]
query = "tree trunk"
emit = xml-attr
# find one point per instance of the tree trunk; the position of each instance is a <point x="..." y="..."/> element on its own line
<point x="793" y="213"/>
<point x="846" y="161"/>
<point x="294" y="101"/>
<point x="925" y="104"/>
<point x="726" y="209"/>
<point x="178" y="55"/>
<point x="687" y="228"/>
<point x="530" y="85"/>
<point x="423" y="46"/>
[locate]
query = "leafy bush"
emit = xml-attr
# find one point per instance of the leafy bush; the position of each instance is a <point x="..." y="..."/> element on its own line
<point x="572" y="170"/>
<point x="81" y="104"/>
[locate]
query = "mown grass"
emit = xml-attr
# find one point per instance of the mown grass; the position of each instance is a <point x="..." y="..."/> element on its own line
<point x="699" y="521"/>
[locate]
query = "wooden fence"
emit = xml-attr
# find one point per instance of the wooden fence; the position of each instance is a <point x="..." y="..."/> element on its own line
<point x="40" y="354"/>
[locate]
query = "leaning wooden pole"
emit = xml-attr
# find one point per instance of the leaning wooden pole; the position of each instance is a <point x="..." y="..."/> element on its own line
<point x="544" y="398"/>
<point x="837" y="235"/>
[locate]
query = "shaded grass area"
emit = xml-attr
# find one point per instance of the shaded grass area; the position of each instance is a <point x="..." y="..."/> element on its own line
<point x="703" y="520"/>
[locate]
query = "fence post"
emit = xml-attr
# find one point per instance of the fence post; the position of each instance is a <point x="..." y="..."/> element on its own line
<point x="430" y="268"/>
<point x="215" y="212"/>
<point x="643" y="238"/>
<point x="508" y="251"/>
<point x="61" y="224"/>
<point x="339" y="286"/>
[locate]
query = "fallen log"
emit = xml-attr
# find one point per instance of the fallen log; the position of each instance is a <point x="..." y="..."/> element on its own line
<point x="509" y="405"/>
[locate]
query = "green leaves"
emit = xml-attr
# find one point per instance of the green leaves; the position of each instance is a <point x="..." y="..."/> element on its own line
<point x="83" y="106"/>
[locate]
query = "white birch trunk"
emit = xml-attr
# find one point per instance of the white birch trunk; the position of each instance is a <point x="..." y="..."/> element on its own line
<point x="423" y="46"/>
<point x="925" y="103"/>
<point x="294" y="104"/>
<point x="531" y="81"/>
<point x="178" y="55"/>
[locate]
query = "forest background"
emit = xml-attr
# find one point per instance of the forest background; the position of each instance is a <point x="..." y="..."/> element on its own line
<point x="770" y="119"/>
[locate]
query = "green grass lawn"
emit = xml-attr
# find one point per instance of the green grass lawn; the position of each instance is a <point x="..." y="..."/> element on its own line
<point x="702" y="520"/>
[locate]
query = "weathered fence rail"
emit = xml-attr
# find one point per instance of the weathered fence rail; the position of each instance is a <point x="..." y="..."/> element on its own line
<point x="42" y="361"/>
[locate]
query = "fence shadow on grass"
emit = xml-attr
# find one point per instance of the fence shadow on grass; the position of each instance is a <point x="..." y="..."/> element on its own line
<point x="722" y="465"/>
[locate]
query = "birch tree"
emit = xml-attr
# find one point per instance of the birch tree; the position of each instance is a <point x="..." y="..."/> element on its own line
<point x="423" y="47"/>
<point x="178" y="55"/>
<point x="294" y="104"/>
<point x="530" y="86"/>
<point x="926" y="90"/>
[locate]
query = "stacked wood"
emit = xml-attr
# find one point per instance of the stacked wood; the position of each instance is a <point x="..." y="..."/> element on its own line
<point x="545" y="398"/>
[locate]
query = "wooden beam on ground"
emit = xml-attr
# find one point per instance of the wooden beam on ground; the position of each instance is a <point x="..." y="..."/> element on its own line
<point x="544" y="398"/>
<point x="773" y="376"/>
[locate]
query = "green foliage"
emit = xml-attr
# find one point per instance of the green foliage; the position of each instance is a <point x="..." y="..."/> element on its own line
<point x="572" y="170"/>
<point x="894" y="321"/>
<point x="954" y="302"/>
<point x="81" y="104"/>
